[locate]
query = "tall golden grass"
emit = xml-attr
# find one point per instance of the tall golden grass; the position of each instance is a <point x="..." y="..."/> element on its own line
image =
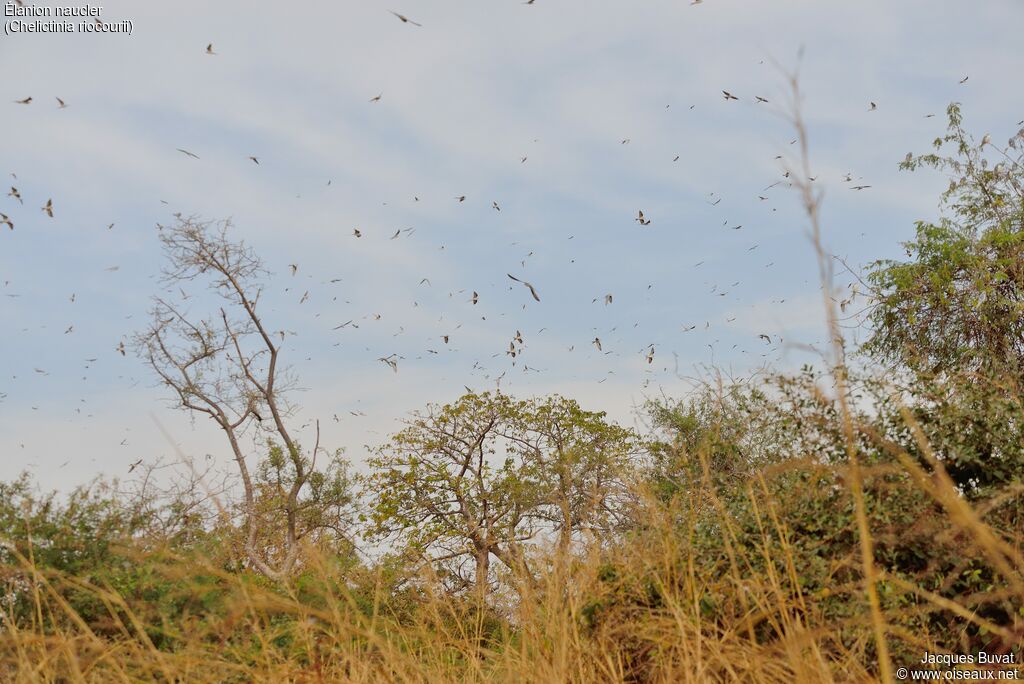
<point x="650" y="622"/>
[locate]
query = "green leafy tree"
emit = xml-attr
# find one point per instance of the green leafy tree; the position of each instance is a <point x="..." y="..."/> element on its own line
<point x="950" y="319"/>
<point x="957" y="303"/>
<point x="487" y="475"/>
<point x="731" y="430"/>
<point x="581" y="461"/>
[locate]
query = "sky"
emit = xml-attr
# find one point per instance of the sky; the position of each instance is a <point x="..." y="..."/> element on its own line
<point x="558" y="122"/>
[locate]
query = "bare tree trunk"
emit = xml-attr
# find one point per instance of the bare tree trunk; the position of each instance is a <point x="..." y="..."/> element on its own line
<point x="483" y="566"/>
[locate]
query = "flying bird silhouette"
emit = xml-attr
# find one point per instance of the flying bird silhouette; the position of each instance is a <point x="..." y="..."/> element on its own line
<point x="528" y="286"/>
<point x="405" y="19"/>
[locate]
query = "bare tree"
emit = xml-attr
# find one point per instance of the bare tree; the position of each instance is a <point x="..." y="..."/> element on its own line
<point x="226" y="365"/>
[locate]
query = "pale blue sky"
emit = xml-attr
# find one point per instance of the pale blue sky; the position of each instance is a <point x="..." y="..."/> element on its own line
<point x="464" y="98"/>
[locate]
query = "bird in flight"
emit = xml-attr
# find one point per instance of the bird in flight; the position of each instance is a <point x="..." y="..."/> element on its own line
<point x="254" y="160"/>
<point x="391" y="361"/>
<point x="729" y="96"/>
<point x="357" y="233"/>
<point x="405" y="19"/>
<point x="15" y="194"/>
<point x="964" y="80"/>
<point x="597" y="343"/>
<point x="60" y="103"/>
<point x="27" y="100"/>
<point x="765" y="338"/>
<point x="760" y="99"/>
<point x="528" y="286"/>
<point x="187" y="153"/>
<point x="873" y="107"/>
<point x="461" y="198"/>
<point x="377" y="98"/>
<point x="48" y="208"/>
<point x="860" y="187"/>
<point x="641" y="220"/>
<point x="495" y="205"/>
<point x="209" y="49"/>
<point x="5" y="220"/>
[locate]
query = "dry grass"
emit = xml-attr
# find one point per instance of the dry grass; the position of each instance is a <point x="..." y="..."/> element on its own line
<point x="647" y="622"/>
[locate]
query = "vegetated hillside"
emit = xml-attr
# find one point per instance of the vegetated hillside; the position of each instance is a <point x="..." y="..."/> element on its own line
<point x="835" y="524"/>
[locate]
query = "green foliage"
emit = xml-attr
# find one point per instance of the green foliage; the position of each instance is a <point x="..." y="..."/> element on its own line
<point x="487" y="474"/>
<point x="773" y="542"/>
<point x="951" y="317"/>
<point x="729" y="433"/>
<point x="957" y="304"/>
<point x="97" y="539"/>
<point x="319" y="504"/>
